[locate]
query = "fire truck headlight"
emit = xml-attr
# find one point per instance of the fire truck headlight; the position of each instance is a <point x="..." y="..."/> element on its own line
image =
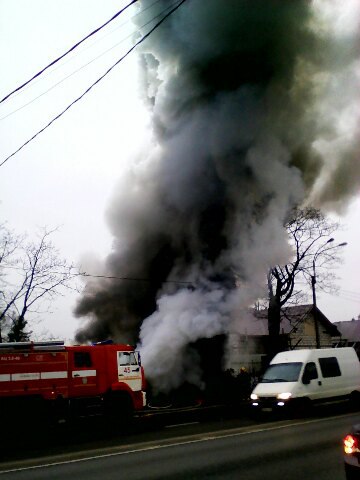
<point x="284" y="396"/>
<point x="253" y="396"/>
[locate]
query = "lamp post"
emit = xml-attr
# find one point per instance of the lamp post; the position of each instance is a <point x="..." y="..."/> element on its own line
<point x="313" y="283"/>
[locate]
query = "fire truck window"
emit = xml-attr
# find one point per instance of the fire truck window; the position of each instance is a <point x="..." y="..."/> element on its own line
<point x="82" y="359"/>
<point x="133" y="359"/>
<point x="124" y="358"/>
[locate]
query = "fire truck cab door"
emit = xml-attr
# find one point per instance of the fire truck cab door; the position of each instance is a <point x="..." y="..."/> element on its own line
<point x="129" y="369"/>
<point x="83" y="378"/>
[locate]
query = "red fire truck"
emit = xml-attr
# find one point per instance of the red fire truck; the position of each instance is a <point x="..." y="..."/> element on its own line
<point x="58" y="381"/>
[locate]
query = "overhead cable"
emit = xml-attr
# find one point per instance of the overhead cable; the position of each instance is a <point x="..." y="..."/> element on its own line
<point x="71" y="59"/>
<point x="85" y="65"/>
<point x="132" y="279"/>
<point x="108" y="277"/>
<point x="346" y="296"/>
<point x="69" y="51"/>
<point x="142" y="39"/>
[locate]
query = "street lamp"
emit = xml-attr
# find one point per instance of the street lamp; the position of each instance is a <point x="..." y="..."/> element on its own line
<point x="313" y="283"/>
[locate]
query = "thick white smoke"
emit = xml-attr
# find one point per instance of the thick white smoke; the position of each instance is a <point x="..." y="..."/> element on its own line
<point x="253" y="110"/>
<point x="337" y="108"/>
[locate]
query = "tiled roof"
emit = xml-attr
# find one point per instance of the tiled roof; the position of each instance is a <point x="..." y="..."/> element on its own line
<point x="256" y="322"/>
<point x="349" y="330"/>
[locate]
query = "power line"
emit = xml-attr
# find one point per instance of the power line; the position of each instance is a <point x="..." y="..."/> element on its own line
<point x="351" y="292"/>
<point x="109" y="277"/>
<point x="346" y="296"/>
<point x="350" y="299"/>
<point x="85" y="65"/>
<point x="113" y="277"/>
<point x="86" y="48"/>
<point x="69" y="51"/>
<point x="135" y="279"/>
<point x="142" y="39"/>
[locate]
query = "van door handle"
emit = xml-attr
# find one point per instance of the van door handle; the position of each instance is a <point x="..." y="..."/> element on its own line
<point x="319" y="382"/>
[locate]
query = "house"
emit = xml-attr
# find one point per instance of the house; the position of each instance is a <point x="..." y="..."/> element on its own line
<point x="250" y="344"/>
<point x="298" y="323"/>
<point x="349" y="334"/>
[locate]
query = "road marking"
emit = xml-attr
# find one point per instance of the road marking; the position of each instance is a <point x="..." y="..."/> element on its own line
<point x="181" y="424"/>
<point x="178" y="441"/>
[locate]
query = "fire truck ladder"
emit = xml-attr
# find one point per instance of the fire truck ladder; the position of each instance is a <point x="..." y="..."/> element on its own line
<point x="31" y="346"/>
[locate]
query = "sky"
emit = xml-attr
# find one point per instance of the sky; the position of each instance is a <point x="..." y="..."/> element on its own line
<point x="67" y="176"/>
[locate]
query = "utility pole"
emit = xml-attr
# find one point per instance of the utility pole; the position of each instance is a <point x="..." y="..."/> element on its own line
<point x="313" y="283"/>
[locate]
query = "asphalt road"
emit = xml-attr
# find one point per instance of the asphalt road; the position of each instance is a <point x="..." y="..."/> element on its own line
<point x="298" y="449"/>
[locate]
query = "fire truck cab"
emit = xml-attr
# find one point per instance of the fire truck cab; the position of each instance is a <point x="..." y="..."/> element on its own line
<point x="76" y="380"/>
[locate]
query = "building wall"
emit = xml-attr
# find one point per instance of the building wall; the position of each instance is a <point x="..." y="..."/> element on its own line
<point x="250" y="350"/>
<point x="305" y="335"/>
<point x="244" y="351"/>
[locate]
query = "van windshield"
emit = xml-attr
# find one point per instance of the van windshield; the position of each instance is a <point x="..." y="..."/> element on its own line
<point x="282" y="372"/>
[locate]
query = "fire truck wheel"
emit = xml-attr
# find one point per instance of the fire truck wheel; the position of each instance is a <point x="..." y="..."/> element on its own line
<point x="119" y="409"/>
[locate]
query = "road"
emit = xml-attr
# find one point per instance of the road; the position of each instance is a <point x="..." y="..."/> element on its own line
<point x="296" y="449"/>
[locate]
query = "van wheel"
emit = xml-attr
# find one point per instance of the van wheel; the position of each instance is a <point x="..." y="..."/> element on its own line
<point x="58" y="411"/>
<point x="354" y="401"/>
<point x="301" y="407"/>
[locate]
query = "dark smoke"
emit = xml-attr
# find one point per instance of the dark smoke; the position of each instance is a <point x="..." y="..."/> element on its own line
<point x="253" y="113"/>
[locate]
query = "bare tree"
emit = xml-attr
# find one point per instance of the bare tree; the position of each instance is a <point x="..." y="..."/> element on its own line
<point x="10" y="243"/>
<point x="310" y="234"/>
<point x="32" y="273"/>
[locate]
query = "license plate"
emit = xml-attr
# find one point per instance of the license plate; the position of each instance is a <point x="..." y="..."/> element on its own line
<point x="266" y="409"/>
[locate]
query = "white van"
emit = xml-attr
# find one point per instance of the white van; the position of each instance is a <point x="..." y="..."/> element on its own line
<point x="299" y="378"/>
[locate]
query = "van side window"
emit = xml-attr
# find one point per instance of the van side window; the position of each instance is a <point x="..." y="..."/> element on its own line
<point x="82" y="359"/>
<point x="310" y="371"/>
<point x="329" y="367"/>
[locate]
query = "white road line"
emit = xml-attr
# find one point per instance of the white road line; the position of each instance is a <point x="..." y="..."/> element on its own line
<point x="181" y="424"/>
<point x="209" y="436"/>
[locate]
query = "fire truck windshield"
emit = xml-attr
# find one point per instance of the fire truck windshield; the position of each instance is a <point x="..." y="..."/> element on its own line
<point x="127" y="358"/>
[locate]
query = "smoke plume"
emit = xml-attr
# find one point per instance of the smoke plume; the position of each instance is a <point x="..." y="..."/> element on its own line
<point x="255" y="109"/>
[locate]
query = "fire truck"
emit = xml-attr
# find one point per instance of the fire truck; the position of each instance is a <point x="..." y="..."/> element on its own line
<point x="53" y="381"/>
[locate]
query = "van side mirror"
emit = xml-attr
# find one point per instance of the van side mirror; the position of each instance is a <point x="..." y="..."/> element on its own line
<point x="306" y="379"/>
